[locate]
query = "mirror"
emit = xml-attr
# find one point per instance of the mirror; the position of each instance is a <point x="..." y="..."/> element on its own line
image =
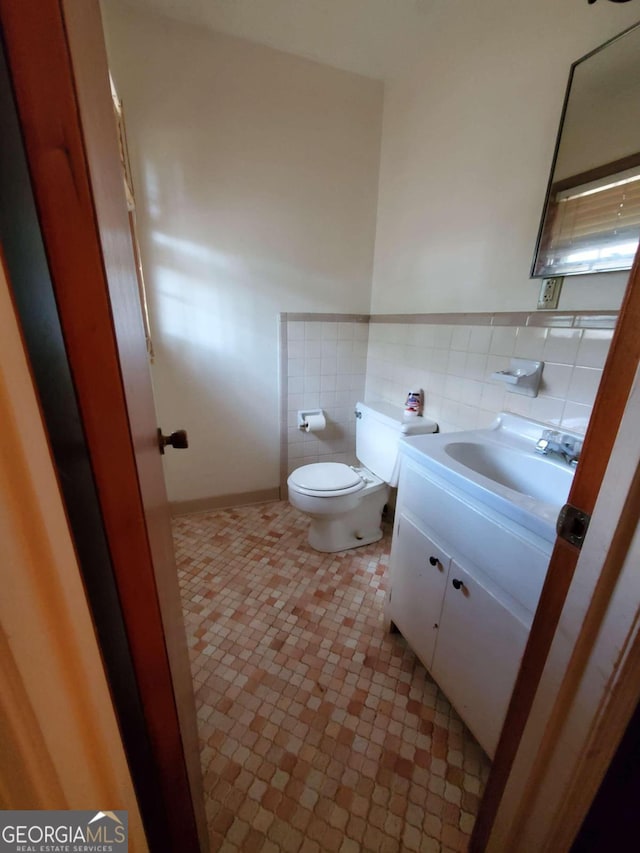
<point x="591" y="218"/>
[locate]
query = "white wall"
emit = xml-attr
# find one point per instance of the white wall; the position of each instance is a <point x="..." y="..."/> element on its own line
<point x="256" y="176"/>
<point x="468" y="138"/>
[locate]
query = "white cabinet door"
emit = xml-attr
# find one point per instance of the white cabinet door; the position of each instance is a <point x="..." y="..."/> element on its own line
<point x="418" y="581"/>
<point x="480" y="645"/>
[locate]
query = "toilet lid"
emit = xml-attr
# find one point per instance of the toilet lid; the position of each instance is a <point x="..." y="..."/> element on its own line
<point x="325" y="477"/>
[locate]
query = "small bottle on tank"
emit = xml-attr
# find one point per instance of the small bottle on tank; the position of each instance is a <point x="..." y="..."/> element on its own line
<point x="413" y="404"/>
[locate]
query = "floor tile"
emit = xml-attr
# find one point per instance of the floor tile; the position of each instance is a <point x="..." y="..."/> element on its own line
<point x="319" y="729"/>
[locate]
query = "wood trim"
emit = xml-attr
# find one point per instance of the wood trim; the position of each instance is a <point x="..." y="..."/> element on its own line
<point x="224" y="501"/>
<point x="59" y="740"/>
<point x="40" y="65"/>
<point x="615" y="386"/>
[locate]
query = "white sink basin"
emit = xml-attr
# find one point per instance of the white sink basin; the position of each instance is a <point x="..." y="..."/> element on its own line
<point x="500" y="469"/>
<point x="524" y="472"/>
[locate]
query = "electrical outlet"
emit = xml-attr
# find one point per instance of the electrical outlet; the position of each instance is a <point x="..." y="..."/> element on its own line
<point x="550" y="292"/>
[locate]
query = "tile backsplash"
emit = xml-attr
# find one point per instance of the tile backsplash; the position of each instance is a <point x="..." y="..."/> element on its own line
<point x="454" y="363"/>
<point x="332" y="361"/>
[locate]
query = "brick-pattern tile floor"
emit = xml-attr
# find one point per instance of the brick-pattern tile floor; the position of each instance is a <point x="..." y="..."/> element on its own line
<point x="319" y="730"/>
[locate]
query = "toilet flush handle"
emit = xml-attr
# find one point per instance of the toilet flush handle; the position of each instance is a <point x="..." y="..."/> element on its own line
<point x="177" y="439"/>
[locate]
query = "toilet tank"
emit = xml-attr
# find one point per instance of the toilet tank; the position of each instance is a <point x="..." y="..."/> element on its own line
<point x="379" y="428"/>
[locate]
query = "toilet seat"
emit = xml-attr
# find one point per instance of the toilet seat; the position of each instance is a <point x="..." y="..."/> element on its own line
<point x="326" y="479"/>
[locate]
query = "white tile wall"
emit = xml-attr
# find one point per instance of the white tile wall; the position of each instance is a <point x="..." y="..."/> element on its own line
<point x="331" y="365"/>
<point x="326" y="365"/>
<point x="453" y="365"/>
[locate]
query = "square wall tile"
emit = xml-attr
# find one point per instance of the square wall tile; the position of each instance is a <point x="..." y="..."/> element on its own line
<point x="519" y="405"/>
<point x="480" y="339"/>
<point x="329" y="331"/>
<point x="312" y="349"/>
<point x="460" y="338"/>
<point x="328" y="366"/>
<point x="503" y="340"/>
<point x="530" y="342"/>
<point x="295" y="330"/>
<point x="562" y="345"/>
<point x="442" y="335"/>
<point x="311" y="383"/>
<point x="296" y="349"/>
<point x="328" y="382"/>
<point x="584" y="385"/>
<point x="361" y="331"/>
<point x="312" y="331"/>
<point x="576" y="416"/>
<point x="346" y="331"/>
<point x="311" y="366"/>
<point x="475" y="365"/>
<point x="330" y="348"/>
<point x="493" y="397"/>
<point x="594" y="347"/>
<point x="457" y="363"/>
<point x="295" y="367"/>
<point x="547" y="409"/>
<point x="555" y="380"/>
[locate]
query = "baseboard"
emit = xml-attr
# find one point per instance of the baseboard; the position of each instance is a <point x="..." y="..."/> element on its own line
<point x="224" y="501"/>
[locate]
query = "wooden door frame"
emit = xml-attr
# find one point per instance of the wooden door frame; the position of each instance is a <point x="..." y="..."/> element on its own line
<point x="83" y="268"/>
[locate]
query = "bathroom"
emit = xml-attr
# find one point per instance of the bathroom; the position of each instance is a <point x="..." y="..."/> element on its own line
<point x="229" y="140"/>
<point x="321" y="224"/>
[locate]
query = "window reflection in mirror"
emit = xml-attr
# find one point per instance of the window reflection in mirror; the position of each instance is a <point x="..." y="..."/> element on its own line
<point x="591" y="221"/>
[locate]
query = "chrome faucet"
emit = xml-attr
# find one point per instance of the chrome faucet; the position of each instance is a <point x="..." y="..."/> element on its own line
<point x="566" y="446"/>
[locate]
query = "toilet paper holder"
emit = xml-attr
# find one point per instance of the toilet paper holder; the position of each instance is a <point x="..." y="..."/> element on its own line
<point x="305" y="414"/>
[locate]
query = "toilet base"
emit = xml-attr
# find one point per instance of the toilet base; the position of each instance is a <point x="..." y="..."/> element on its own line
<point x="354" y="529"/>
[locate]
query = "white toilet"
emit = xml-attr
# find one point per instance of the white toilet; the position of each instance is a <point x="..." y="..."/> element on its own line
<point x="345" y="503"/>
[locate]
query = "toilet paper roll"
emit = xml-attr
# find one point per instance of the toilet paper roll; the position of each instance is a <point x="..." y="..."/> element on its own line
<point x="315" y="423"/>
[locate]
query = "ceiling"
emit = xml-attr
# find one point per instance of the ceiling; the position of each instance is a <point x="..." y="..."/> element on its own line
<point x="370" y="37"/>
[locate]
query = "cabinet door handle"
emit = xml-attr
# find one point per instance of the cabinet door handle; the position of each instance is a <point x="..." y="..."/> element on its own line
<point x="434" y="561"/>
<point x="457" y="584"/>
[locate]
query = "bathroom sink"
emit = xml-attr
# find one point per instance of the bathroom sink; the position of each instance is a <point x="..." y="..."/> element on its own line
<point x="524" y="472"/>
<point x="499" y="468"/>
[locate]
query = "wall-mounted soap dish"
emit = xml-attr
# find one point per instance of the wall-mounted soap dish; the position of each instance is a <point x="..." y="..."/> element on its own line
<point x="522" y="377"/>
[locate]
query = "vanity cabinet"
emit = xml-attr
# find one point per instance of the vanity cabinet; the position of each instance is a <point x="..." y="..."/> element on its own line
<point x="463" y="588"/>
<point x="480" y="645"/>
<point x="420" y="575"/>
